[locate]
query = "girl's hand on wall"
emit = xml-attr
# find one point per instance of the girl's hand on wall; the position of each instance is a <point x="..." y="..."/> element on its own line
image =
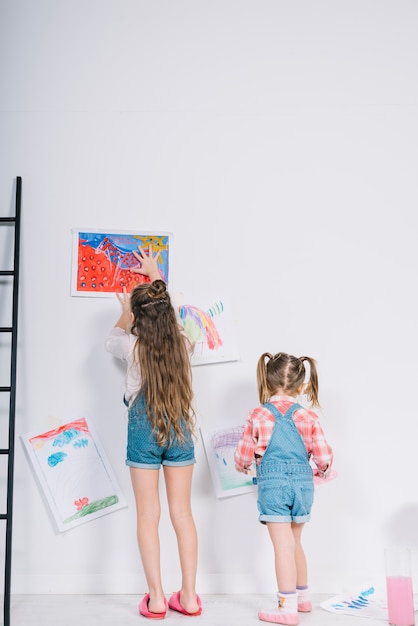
<point x="148" y="264"/>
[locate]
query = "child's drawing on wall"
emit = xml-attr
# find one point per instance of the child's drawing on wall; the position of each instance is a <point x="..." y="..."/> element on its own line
<point x="74" y="474"/>
<point x="103" y="261"/>
<point x="219" y="447"/>
<point x="209" y="324"/>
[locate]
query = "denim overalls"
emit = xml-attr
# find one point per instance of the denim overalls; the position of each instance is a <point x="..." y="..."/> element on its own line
<point x="284" y="475"/>
<point x="143" y="450"/>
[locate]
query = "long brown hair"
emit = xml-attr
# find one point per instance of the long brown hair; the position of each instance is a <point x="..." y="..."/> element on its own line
<point x="164" y="362"/>
<point x="286" y="373"/>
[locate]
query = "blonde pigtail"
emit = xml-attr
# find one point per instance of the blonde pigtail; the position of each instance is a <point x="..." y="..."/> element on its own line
<point x="263" y="392"/>
<point x="312" y="387"/>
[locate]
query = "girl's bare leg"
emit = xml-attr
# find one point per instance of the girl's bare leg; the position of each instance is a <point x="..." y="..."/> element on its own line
<point x="304" y="602"/>
<point x="300" y="558"/>
<point x="145" y="487"/>
<point x="178" y="482"/>
<point x="283" y="540"/>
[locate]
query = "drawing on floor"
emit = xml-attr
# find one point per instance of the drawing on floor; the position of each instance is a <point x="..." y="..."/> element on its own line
<point x="370" y="603"/>
<point x="102" y="260"/>
<point x="210" y="325"/>
<point x="219" y="448"/>
<point x="74" y="473"/>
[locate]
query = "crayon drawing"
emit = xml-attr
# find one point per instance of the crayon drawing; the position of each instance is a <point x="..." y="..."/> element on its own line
<point x="73" y="473"/>
<point x="219" y="448"/>
<point x="102" y="260"/>
<point x="369" y="603"/>
<point x="210" y="325"/>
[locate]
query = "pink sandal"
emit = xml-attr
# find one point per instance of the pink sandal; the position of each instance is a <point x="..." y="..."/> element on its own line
<point x="144" y="610"/>
<point x="174" y="605"/>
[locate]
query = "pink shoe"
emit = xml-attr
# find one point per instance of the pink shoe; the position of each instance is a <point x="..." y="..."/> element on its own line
<point x="305" y="606"/>
<point x="144" y="610"/>
<point x="174" y="605"/>
<point x="278" y="617"/>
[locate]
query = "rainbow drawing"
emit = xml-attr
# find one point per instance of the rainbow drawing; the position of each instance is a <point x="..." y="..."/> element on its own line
<point x="199" y="325"/>
<point x="210" y="327"/>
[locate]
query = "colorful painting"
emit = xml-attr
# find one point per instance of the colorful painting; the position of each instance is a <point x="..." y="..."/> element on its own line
<point x="210" y="325"/>
<point x="74" y="473"/>
<point x="102" y="261"/>
<point x="219" y="448"/>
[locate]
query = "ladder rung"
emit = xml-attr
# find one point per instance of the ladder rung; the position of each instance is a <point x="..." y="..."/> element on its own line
<point x="7" y="220"/>
<point x="4" y="450"/>
<point x="6" y="329"/>
<point x="6" y="272"/>
<point x="3" y="515"/>
<point x="5" y="388"/>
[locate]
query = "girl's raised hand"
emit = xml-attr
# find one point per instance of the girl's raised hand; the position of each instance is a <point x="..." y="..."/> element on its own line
<point x="124" y="299"/>
<point x="125" y="319"/>
<point x="148" y="263"/>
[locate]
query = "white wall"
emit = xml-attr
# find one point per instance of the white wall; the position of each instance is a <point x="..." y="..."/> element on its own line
<point x="278" y="141"/>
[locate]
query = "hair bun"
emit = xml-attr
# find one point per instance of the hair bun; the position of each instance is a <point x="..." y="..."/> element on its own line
<point x="157" y="289"/>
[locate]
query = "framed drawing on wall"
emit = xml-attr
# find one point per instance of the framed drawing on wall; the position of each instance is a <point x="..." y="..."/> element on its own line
<point x="102" y="261"/>
<point x="74" y="474"/>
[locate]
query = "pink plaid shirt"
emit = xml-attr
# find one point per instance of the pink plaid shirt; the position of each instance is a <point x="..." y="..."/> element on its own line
<point x="259" y="429"/>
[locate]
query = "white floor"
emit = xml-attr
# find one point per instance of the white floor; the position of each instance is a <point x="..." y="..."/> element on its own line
<point x="122" y="610"/>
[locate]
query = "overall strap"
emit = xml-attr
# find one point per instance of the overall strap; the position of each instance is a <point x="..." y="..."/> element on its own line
<point x="275" y="411"/>
<point x="285" y="424"/>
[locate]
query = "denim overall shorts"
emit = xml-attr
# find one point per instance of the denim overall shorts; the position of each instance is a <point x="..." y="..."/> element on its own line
<point x="284" y="475"/>
<point x="143" y="450"/>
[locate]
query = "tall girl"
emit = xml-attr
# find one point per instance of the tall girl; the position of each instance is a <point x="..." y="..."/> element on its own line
<point x="158" y="392"/>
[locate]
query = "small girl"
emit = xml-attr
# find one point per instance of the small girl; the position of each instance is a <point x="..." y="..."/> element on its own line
<point x="282" y="437"/>
<point x="150" y="338"/>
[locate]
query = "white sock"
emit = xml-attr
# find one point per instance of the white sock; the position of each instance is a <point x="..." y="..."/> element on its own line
<point x="303" y="593"/>
<point x="304" y="602"/>
<point x="288" y="602"/>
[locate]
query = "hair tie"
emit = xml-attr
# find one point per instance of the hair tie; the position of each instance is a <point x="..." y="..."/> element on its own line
<point x="155" y="301"/>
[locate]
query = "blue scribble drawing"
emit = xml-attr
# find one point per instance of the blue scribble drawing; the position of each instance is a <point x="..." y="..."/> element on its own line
<point x="358" y="602"/>
<point x="366" y="603"/>
<point x="81" y="443"/>
<point x="56" y="458"/>
<point x="216" y="309"/>
<point x="65" y="437"/>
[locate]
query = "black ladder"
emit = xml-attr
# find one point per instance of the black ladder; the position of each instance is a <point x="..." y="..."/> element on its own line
<point x="10" y="389"/>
